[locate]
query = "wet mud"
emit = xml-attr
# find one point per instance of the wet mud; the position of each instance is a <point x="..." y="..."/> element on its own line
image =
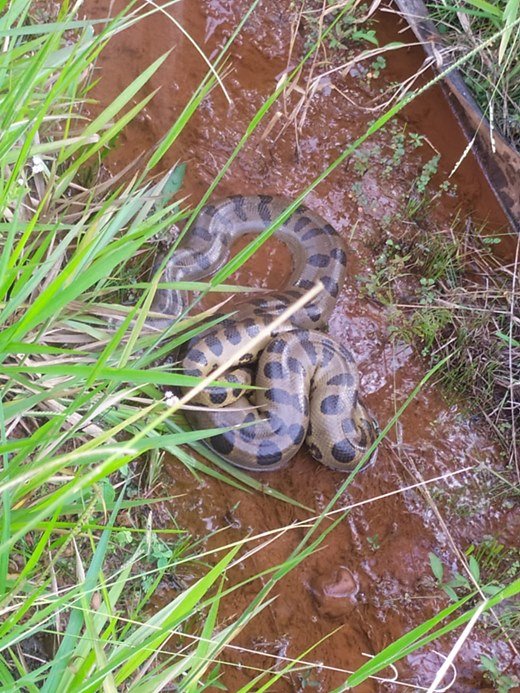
<point x="370" y="580"/>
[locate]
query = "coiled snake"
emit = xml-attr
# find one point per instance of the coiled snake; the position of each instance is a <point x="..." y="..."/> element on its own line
<point x="310" y="383"/>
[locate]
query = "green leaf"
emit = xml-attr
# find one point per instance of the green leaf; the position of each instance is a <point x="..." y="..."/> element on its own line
<point x="511" y="19"/>
<point x="474" y="568"/>
<point x="487" y="7"/>
<point x="436" y="566"/>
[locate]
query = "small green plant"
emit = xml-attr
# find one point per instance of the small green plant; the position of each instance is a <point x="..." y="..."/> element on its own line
<point x="502" y="683"/>
<point x="424" y="325"/>
<point x="429" y="169"/>
<point x="365" y="157"/>
<point x="418" y="199"/>
<point x="349" y="34"/>
<point x="374" y="542"/>
<point x="390" y="266"/>
<point x="459" y="585"/>
<point x="492" y="73"/>
<point x="376" y="67"/>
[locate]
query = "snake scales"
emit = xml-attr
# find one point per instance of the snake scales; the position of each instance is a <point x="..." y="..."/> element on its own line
<point x="310" y="383"/>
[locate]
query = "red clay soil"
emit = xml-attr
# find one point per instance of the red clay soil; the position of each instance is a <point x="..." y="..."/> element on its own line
<point x="370" y="581"/>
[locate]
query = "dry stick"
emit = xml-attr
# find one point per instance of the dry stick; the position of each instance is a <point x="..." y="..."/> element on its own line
<point x="510" y="363"/>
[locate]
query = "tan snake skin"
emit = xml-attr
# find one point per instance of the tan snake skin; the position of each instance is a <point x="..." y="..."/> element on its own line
<point x="311" y="383"/>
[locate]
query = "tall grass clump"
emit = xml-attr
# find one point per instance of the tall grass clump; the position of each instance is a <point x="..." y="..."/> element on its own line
<point x="449" y="294"/>
<point x="493" y="73"/>
<point x="79" y="378"/>
<point x="79" y="398"/>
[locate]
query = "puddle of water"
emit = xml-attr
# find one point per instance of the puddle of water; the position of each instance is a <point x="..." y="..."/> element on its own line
<point x="371" y="578"/>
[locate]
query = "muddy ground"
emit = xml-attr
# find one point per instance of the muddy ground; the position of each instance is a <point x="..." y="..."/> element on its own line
<point x="371" y="581"/>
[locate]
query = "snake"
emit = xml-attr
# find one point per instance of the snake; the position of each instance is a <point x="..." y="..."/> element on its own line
<point x="306" y="383"/>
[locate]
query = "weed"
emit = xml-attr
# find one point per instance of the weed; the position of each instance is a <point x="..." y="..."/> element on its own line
<point x="428" y="171"/>
<point x="448" y="293"/>
<point x="350" y="32"/>
<point x="374" y="542"/>
<point x="492" y="74"/>
<point x="491" y="565"/>
<point x="501" y="682"/>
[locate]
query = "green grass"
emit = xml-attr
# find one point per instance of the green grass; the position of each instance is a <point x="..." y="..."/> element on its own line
<point x="493" y="74"/>
<point x="447" y="293"/>
<point x="80" y="397"/>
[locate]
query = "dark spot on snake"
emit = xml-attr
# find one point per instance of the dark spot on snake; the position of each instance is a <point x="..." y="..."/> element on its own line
<point x="260" y="302"/>
<point x="251" y="327"/>
<point x="348" y="427"/>
<point x="297" y="433"/>
<point x="201" y="232"/>
<point x="195" y="372"/>
<point x="331" y="405"/>
<point x="329" y="230"/>
<point x="246" y="358"/>
<point x="339" y="255"/>
<point x="238" y="207"/>
<point x="224" y="442"/>
<point x="268" y="453"/>
<point x="326" y="356"/>
<point x="198" y="356"/>
<point x="305" y="283"/>
<point x="294" y="365"/>
<point x="279" y="396"/>
<point x="277" y="346"/>
<point x="346" y="354"/>
<point x="319" y="260"/>
<point x="313" y="312"/>
<point x="264" y="209"/>
<point x="249" y="432"/>
<point x="232" y="335"/>
<point x="278" y="307"/>
<point x="215" y="344"/>
<point x="330" y="285"/>
<point x="346" y="379"/>
<point x="209" y="210"/>
<point x="217" y="395"/>
<point x="301" y="223"/>
<point x="312" y="233"/>
<point x="309" y="349"/>
<point x="343" y="452"/>
<point x="202" y="260"/>
<point x="274" y="370"/>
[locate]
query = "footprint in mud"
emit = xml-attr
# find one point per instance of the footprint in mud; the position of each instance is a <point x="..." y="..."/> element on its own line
<point x="333" y="593"/>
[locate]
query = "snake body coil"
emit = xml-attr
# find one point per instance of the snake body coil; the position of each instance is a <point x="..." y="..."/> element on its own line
<point x="309" y="382"/>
